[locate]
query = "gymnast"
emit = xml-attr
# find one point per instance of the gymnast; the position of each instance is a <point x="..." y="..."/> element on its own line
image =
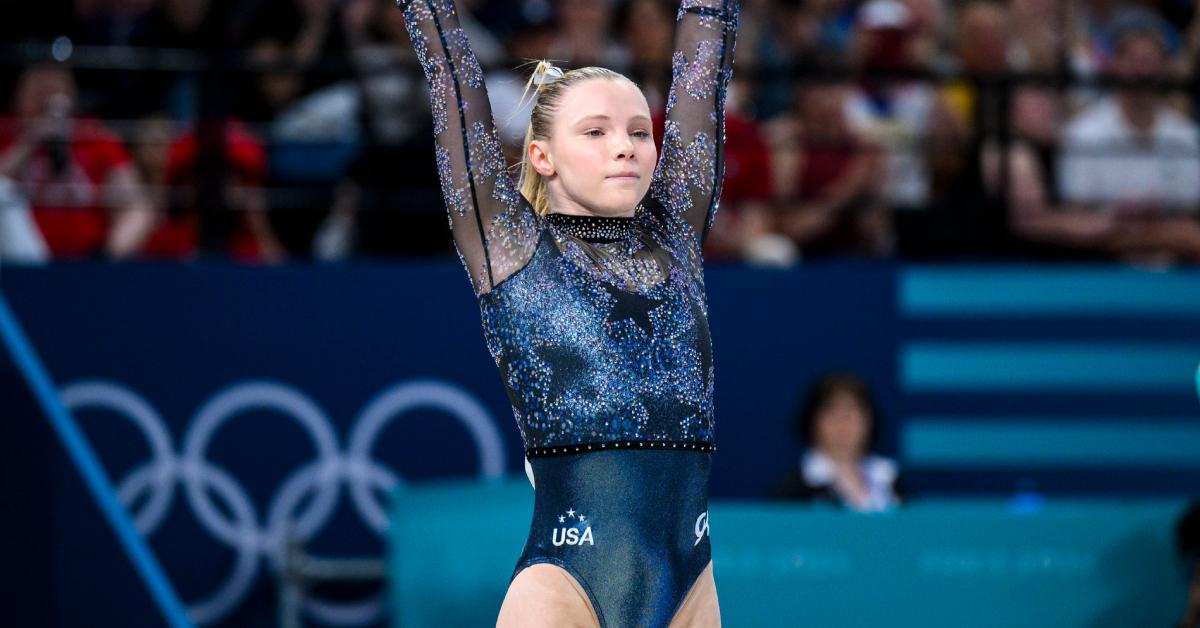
<point x="590" y="283"/>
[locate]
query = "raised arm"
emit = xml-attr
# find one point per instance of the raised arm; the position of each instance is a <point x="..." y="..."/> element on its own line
<point x="495" y="229"/>
<point x="687" y="181"/>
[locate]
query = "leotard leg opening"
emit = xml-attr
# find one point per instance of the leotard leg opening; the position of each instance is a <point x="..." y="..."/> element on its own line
<point x="631" y="526"/>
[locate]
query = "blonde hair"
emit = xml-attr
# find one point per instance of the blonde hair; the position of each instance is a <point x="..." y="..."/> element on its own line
<point x="551" y="83"/>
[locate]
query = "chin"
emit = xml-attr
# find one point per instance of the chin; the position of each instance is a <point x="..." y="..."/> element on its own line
<point x="621" y="205"/>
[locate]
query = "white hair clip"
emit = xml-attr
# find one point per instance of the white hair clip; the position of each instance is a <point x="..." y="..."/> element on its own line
<point x="546" y="74"/>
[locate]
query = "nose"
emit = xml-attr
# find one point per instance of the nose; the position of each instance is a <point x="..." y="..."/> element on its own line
<point x="624" y="146"/>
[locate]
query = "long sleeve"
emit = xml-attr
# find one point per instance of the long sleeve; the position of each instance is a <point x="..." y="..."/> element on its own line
<point x="495" y="230"/>
<point x="687" y="180"/>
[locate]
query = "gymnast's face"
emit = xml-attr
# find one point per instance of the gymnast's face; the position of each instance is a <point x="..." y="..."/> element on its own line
<point x="600" y="154"/>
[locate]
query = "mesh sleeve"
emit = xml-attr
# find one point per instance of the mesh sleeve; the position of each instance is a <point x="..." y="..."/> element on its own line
<point x="495" y="229"/>
<point x="687" y="180"/>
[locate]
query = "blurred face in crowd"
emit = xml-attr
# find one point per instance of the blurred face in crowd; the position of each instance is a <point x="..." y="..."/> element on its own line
<point x="983" y="38"/>
<point x="822" y="109"/>
<point x="1044" y="13"/>
<point x="277" y="87"/>
<point x="927" y="15"/>
<point x="152" y="141"/>
<point x="649" y="31"/>
<point x="1139" y="57"/>
<point x="797" y="26"/>
<point x="38" y="85"/>
<point x="588" y="17"/>
<point x="885" y="48"/>
<point x="600" y="154"/>
<point x="842" y="426"/>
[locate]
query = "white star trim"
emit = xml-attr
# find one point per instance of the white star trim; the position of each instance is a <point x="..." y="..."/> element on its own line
<point x="571" y="513"/>
<point x="561" y="519"/>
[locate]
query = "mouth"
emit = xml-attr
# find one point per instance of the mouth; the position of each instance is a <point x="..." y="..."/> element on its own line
<point x="625" y="176"/>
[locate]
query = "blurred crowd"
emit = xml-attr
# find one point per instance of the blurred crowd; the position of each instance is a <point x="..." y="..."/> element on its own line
<point x="269" y="130"/>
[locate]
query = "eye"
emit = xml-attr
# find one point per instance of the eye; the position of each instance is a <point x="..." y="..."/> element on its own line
<point x="593" y="132"/>
<point x="641" y="134"/>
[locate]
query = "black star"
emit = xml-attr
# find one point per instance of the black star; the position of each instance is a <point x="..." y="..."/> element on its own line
<point x="632" y="307"/>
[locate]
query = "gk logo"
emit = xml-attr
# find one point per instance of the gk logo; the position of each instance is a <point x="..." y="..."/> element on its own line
<point x="701" y="527"/>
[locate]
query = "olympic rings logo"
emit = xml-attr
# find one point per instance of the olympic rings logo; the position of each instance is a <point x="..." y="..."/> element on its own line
<point x="319" y="480"/>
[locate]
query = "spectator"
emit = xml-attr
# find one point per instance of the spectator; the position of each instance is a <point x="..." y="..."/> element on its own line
<point x="981" y="54"/>
<point x="970" y="210"/>
<point x="1130" y="166"/>
<point x="649" y="29"/>
<point x="907" y="117"/>
<point x="511" y="102"/>
<point x="837" y="426"/>
<point x="201" y="26"/>
<point x="795" y="38"/>
<point x="295" y="44"/>
<point x="830" y="197"/>
<point x="149" y="146"/>
<point x="928" y="31"/>
<point x="213" y="174"/>
<point x="84" y="191"/>
<point x="985" y="208"/>
<point x="747" y="189"/>
<point x="378" y="209"/>
<point x="1038" y="35"/>
<point x="584" y="36"/>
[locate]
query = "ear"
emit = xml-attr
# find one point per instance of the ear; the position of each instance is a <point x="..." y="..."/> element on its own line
<point x="539" y="157"/>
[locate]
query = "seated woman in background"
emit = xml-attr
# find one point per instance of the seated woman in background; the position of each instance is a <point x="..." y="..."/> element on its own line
<point x="836" y="428"/>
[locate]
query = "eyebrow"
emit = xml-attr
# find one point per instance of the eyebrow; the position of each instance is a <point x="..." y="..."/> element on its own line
<point x="638" y="118"/>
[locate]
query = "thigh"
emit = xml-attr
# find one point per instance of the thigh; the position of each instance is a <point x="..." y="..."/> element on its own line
<point x="546" y="595"/>
<point x="700" y="608"/>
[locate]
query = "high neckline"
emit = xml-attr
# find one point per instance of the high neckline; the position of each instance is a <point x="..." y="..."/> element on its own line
<point x="594" y="228"/>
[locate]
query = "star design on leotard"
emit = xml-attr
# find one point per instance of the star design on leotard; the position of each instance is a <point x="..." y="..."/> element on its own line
<point x="571" y="513"/>
<point x="582" y="518"/>
<point x="636" y="313"/>
<point x="561" y="519"/>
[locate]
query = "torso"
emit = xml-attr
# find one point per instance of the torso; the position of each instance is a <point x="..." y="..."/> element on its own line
<point x="605" y="344"/>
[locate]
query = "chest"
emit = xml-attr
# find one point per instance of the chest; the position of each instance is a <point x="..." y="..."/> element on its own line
<point x="572" y="307"/>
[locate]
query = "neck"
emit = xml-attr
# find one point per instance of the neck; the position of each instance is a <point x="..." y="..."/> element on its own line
<point x="843" y="459"/>
<point x="575" y="209"/>
<point x="1138" y="112"/>
<point x="593" y="228"/>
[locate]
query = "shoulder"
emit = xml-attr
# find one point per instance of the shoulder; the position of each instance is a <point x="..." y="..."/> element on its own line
<point x="98" y="146"/>
<point x="880" y="469"/>
<point x="816" y="468"/>
<point x="93" y="131"/>
<point x="1176" y="127"/>
<point x="1101" y="119"/>
<point x="793" y="486"/>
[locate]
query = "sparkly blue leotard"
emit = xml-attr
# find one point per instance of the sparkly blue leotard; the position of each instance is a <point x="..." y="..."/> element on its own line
<point x="599" y="327"/>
